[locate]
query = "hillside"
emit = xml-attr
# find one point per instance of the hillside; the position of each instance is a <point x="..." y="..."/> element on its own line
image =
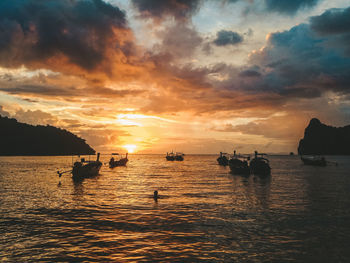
<point x="23" y="139"/>
<point x="323" y="139"/>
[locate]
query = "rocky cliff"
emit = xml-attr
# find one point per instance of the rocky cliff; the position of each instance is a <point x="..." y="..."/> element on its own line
<point x="323" y="139"/>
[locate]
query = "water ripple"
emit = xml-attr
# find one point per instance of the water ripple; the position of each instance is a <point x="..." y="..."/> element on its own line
<point x="203" y="212"/>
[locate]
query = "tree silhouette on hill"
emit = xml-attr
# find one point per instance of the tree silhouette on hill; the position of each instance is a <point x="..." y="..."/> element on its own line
<point x="18" y="138"/>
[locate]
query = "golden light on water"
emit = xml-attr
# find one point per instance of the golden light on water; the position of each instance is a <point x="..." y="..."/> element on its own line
<point x="130" y="147"/>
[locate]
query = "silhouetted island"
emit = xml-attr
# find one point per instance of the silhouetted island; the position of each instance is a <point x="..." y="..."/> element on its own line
<point x="321" y="139"/>
<point x="23" y="139"/>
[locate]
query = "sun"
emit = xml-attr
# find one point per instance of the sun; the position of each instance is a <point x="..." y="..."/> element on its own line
<point x="130" y="147"/>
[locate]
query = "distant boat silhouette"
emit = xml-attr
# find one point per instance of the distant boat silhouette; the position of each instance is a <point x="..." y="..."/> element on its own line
<point x="260" y="165"/>
<point x="223" y="159"/>
<point x="239" y="164"/>
<point x="85" y="169"/>
<point x="178" y="156"/>
<point x="314" y="160"/>
<point x="121" y="162"/>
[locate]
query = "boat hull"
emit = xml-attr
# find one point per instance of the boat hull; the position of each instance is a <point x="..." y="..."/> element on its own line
<point x="222" y="161"/>
<point x="179" y="158"/>
<point x="121" y="162"/>
<point x="316" y="162"/>
<point x="239" y="167"/>
<point x="86" y="171"/>
<point x="174" y="158"/>
<point x="260" y="167"/>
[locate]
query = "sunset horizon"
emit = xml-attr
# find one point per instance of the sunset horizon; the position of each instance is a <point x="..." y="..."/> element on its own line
<point x="175" y="131"/>
<point x="199" y="76"/>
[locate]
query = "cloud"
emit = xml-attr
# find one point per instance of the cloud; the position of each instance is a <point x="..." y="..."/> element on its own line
<point x="61" y="35"/>
<point x="332" y="22"/>
<point x="294" y="64"/>
<point x="250" y="73"/>
<point x="66" y="91"/>
<point x="106" y="139"/>
<point x="334" y="25"/>
<point x="36" y="117"/>
<point x="157" y="9"/>
<point x="224" y="38"/>
<point x="42" y="90"/>
<point x="283" y="7"/>
<point x="3" y="113"/>
<point x="273" y="127"/>
<point x="297" y="63"/>
<point x="102" y="136"/>
<point x="179" y="41"/>
<point x="288" y="6"/>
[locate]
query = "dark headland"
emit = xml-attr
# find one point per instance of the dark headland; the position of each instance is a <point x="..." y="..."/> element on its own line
<point x="322" y="139"/>
<point x="23" y="139"/>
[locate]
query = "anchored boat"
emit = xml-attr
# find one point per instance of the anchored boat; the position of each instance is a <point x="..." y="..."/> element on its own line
<point x="314" y="160"/>
<point x="121" y="162"/>
<point x="239" y="164"/>
<point x="223" y="159"/>
<point x="84" y="169"/>
<point x="178" y="156"/>
<point x="260" y="165"/>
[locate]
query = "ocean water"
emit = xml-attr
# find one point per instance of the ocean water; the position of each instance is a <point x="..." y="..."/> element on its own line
<point x="204" y="213"/>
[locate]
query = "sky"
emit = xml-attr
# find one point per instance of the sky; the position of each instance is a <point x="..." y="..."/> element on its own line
<point x="197" y="76"/>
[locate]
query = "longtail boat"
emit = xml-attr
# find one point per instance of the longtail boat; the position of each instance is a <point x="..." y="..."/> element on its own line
<point x="121" y="162"/>
<point x="260" y="165"/>
<point x="239" y="164"/>
<point x="223" y="159"/>
<point x="314" y="160"/>
<point x="85" y="169"/>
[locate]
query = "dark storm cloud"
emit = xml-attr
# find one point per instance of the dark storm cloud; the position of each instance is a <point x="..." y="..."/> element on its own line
<point x="333" y="21"/>
<point x="224" y="38"/>
<point x="334" y="25"/>
<point x="289" y="6"/>
<point x="299" y="64"/>
<point x="67" y="92"/>
<point x="42" y="90"/>
<point x="179" y="9"/>
<point x="250" y="73"/>
<point x="179" y="41"/>
<point x="294" y="64"/>
<point x="36" y="30"/>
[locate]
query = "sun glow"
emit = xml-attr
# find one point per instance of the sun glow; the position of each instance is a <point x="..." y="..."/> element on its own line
<point x="131" y="116"/>
<point x="130" y="147"/>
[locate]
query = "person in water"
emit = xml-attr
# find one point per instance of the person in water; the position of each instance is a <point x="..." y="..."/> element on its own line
<point x="155" y="195"/>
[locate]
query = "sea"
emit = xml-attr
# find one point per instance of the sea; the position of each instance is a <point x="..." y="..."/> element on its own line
<point x="203" y="214"/>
